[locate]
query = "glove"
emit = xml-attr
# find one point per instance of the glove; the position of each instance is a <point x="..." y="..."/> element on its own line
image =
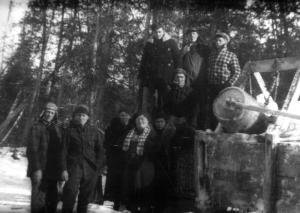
<point x="37" y="176"/>
<point x="65" y="175"/>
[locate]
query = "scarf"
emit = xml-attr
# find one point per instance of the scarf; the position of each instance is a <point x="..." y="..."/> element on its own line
<point x="141" y="138"/>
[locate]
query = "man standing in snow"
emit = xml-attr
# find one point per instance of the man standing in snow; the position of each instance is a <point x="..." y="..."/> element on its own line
<point x="44" y="146"/>
<point x="83" y="157"/>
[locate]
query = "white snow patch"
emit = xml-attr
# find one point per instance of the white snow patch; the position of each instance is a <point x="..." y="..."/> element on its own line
<point x="15" y="186"/>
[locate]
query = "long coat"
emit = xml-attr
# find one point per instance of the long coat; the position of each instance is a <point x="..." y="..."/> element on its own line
<point x="44" y="148"/>
<point x="138" y="176"/>
<point x="114" y="136"/>
<point x="159" y="60"/>
<point x="82" y="144"/>
<point x="195" y="62"/>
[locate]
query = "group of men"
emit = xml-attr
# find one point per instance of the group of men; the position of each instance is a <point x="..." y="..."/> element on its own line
<point x="206" y="70"/>
<point x="178" y="87"/>
<point x="63" y="156"/>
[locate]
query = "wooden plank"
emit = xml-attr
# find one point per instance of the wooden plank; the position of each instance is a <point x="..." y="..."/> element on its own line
<point x="293" y="93"/>
<point x="271" y="65"/>
<point x="199" y="156"/>
<point x="290" y="101"/>
<point x="269" y="186"/>
<point x="269" y="102"/>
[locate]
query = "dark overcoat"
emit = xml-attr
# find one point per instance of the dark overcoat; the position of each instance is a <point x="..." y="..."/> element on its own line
<point x="114" y="136"/>
<point x="44" y="148"/>
<point x="166" y="59"/>
<point x="178" y="101"/>
<point x="82" y="144"/>
<point x="159" y="60"/>
<point x="195" y="63"/>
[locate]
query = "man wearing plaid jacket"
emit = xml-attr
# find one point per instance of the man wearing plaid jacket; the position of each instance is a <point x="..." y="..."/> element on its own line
<point x="223" y="70"/>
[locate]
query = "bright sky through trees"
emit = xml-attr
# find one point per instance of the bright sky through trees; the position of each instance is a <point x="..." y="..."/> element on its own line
<point x="9" y="28"/>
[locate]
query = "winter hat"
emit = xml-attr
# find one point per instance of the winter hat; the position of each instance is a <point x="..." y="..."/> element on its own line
<point x="123" y="109"/>
<point x="180" y="71"/>
<point x="82" y="109"/>
<point x="160" y="114"/>
<point x="223" y="35"/>
<point x="51" y="106"/>
<point x="192" y="29"/>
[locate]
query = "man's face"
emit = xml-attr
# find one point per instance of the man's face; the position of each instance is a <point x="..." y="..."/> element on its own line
<point x="180" y="80"/>
<point x="48" y="115"/>
<point x="160" y="123"/>
<point x="81" y="118"/>
<point x="124" y="117"/>
<point x="193" y="36"/>
<point x="141" y="123"/>
<point x="160" y="33"/>
<point x="220" y="42"/>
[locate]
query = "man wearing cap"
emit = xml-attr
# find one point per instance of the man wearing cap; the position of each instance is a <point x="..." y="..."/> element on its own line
<point x="163" y="58"/>
<point x="195" y="59"/>
<point x="82" y="158"/>
<point x="195" y="62"/>
<point x="223" y="69"/>
<point x="43" y="152"/>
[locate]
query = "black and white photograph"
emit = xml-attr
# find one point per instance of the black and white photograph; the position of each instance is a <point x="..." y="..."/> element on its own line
<point x="150" y="106"/>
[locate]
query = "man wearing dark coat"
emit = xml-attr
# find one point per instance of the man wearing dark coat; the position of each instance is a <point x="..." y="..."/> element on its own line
<point x="195" y="59"/>
<point x="195" y="62"/>
<point x="179" y="102"/>
<point x="160" y="58"/>
<point x="43" y="152"/>
<point x="114" y="136"/>
<point x="82" y="158"/>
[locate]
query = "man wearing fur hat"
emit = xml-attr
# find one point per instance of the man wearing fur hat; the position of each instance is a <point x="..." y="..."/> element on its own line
<point x="44" y="146"/>
<point x="223" y="69"/>
<point x="83" y="156"/>
<point x="161" y="57"/>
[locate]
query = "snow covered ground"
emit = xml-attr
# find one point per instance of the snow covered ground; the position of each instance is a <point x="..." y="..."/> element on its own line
<point x="14" y="185"/>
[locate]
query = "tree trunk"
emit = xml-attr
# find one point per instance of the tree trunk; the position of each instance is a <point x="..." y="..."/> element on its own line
<point x="70" y="47"/>
<point x="95" y="69"/>
<point x="36" y="90"/>
<point x="13" y="111"/>
<point x="57" y="65"/>
<point x="286" y="36"/>
<point x="101" y="61"/>
<point x="10" y="7"/>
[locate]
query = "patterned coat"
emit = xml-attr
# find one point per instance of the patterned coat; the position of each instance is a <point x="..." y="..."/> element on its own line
<point x="224" y="68"/>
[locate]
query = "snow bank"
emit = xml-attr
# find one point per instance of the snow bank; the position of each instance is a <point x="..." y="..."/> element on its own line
<point x="15" y="186"/>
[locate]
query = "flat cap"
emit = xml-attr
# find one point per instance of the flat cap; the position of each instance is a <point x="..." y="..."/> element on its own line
<point x="223" y="35"/>
<point x="51" y="106"/>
